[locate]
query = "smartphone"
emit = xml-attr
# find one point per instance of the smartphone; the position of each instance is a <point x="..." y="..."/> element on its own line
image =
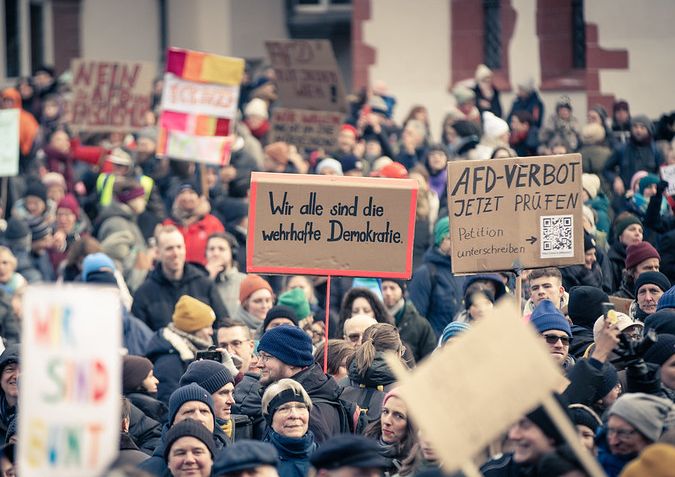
<point x="211" y="355"/>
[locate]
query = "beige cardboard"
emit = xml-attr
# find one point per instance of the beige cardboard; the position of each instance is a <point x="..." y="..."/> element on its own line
<point x="503" y="213"/>
<point x="306" y="129"/>
<point x="110" y="95"/>
<point x="472" y="390"/>
<point x="314" y="252"/>
<point x="621" y="304"/>
<point x="307" y="74"/>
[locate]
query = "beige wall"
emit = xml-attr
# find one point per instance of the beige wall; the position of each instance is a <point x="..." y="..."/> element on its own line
<point x="200" y="25"/>
<point x="254" y="22"/>
<point x="120" y="29"/>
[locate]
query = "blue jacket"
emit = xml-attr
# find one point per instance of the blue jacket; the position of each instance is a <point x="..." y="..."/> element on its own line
<point x="435" y="291"/>
<point x="136" y="334"/>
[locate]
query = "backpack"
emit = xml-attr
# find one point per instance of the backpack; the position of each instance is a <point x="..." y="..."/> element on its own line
<point x="353" y="419"/>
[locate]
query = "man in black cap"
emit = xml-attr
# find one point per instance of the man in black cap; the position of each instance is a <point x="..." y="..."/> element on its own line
<point x="584" y="308"/>
<point x="349" y="455"/>
<point x="247" y="459"/>
<point x="649" y="287"/>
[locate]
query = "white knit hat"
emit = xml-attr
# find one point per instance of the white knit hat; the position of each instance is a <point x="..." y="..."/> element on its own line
<point x="493" y="127"/>
<point x="256" y="107"/>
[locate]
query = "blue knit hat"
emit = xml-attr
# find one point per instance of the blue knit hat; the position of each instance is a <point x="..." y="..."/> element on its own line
<point x="209" y="374"/>
<point x="667" y="300"/>
<point x="289" y="344"/>
<point x="452" y="330"/>
<point x="244" y="455"/>
<point x="94" y="262"/>
<point x="547" y="317"/>
<point x="191" y="392"/>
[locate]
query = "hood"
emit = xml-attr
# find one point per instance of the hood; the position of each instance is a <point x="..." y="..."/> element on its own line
<point x="13" y="95"/>
<point x="433" y="255"/>
<point x="9" y="356"/>
<point x="317" y="384"/>
<point x="378" y="374"/>
<point x="116" y="209"/>
<point x="490" y="277"/>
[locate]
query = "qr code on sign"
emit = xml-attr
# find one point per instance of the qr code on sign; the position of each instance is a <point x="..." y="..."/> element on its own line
<point x="557" y="236"/>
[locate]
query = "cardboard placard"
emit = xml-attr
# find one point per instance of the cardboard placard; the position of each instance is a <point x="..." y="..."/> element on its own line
<point x="307" y="74"/>
<point x="110" y="95"/>
<point x="476" y="371"/>
<point x="329" y="225"/>
<point x="306" y="129"/>
<point x="516" y="213"/>
<point x="9" y="142"/>
<point x="621" y="305"/>
<point x="668" y="175"/>
<point x="199" y="106"/>
<point x="70" y="382"/>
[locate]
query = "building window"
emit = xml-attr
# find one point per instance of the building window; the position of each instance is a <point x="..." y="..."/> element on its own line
<point x="578" y="34"/>
<point x="12" y="39"/>
<point x="492" y="37"/>
<point x="37" y="53"/>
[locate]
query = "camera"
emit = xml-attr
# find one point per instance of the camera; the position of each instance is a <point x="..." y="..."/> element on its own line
<point x="211" y="354"/>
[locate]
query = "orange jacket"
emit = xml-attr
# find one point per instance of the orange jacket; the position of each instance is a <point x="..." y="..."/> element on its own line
<point x="28" y="126"/>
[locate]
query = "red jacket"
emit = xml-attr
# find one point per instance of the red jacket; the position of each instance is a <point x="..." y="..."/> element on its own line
<point x="196" y="235"/>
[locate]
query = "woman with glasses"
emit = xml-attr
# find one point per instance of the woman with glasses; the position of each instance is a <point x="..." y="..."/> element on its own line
<point x="286" y="406"/>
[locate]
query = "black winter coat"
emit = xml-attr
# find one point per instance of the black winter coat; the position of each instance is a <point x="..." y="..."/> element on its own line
<point x="617" y="261"/>
<point x="247" y="398"/>
<point x="156" y="298"/>
<point x="146" y="432"/>
<point x="169" y="366"/>
<point x="415" y="331"/>
<point x="324" y="418"/>
<point x="368" y="390"/>
<point x="151" y="407"/>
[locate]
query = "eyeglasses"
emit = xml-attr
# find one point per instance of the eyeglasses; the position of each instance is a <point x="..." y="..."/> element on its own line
<point x="264" y="357"/>
<point x="620" y="433"/>
<point x="286" y="409"/>
<point x="553" y="339"/>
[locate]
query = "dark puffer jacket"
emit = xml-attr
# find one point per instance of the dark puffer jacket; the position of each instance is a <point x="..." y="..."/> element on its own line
<point x="324" y="418"/>
<point x="368" y="390"/>
<point x="415" y="331"/>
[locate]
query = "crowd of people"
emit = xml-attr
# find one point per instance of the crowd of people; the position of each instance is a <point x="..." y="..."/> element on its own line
<point x="224" y="371"/>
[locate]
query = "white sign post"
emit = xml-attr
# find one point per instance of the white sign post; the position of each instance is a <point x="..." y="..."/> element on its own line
<point x="69" y="423"/>
<point x="9" y="142"/>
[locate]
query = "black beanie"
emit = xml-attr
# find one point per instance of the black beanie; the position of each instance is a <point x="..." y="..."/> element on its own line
<point x="189" y="428"/>
<point x="134" y="371"/>
<point x="584" y="416"/>
<point x="589" y="241"/>
<point x="542" y="420"/>
<point x="662" y="350"/>
<point x="610" y="378"/>
<point x="16" y="229"/>
<point x="661" y="321"/>
<point x="280" y="311"/>
<point x="655" y="278"/>
<point x="209" y="374"/>
<point x="36" y="189"/>
<point x="585" y="305"/>
<point x="401" y="283"/>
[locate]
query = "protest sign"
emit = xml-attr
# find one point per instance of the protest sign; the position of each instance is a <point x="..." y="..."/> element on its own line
<point x="110" y="95"/>
<point x="668" y="175"/>
<point x="486" y="382"/>
<point x="70" y="381"/>
<point x="516" y="213"/>
<point x="199" y="106"/>
<point x="9" y="142"/>
<point x="305" y="128"/>
<point x="307" y="74"/>
<point x="329" y="225"/>
<point x="621" y="305"/>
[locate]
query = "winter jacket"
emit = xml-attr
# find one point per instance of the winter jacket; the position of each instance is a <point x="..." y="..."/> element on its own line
<point x="495" y="103"/>
<point x="196" y="235"/>
<point x="532" y="104"/>
<point x="118" y="217"/>
<point x="368" y="390"/>
<point x="146" y="431"/>
<point x="324" y="418"/>
<point x="617" y="261"/>
<point x="556" y="129"/>
<point x="576" y="275"/>
<point x="247" y="398"/>
<point x="28" y="125"/>
<point x="136" y="334"/>
<point x="600" y="204"/>
<point x="594" y="157"/>
<point x="582" y="338"/>
<point x="151" y="407"/>
<point x="293" y="453"/>
<point x="9" y="325"/>
<point x="505" y="466"/>
<point x="130" y="454"/>
<point x="585" y="377"/>
<point x="629" y="159"/>
<point x="435" y="291"/>
<point x="415" y="331"/>
<point x="611" y="464"/>
<point x="156" y="298"/>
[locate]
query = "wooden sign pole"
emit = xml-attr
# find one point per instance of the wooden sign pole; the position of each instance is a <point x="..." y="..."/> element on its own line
<point x="326" y="323"/>
<point x="519" y="290"/>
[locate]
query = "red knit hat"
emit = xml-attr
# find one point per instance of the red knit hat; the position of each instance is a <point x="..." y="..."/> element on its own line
<point x="251" y="284"/>
<point x="638" y="253"/>
<point x="395" y="170"/>
<point x="350" y="128"/>
<point x="69" y="202"/>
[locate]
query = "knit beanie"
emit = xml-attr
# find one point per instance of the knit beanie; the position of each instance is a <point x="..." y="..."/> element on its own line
<point x="289" y="344"/>
<point x="662" y="350"/>
<point x="36" y="189"/>
<point x="330" y="164"/>
<point x="623" y="221"/>
<point x="95" y="262"/>
<point x="493" y="126"/>
<point x="482" y="72"/>
<point x="648" y="180"/>
<point x="192" y="315"/>
<point x="297" y="300"/>
<point x="589" y="242"/>
<point x="51" y="179"/>
<point x="69" y="202"/>
<point x="584" y="416"/>
<point x="400" y="282"/>
<point x="102" y="277"/>
<point x="591" y="184"/>
<point x="189" y="428"/>
<point x="279" y="311"/>
<point x="256" y="107"/>
<point x="190" y="392"/>
<point x="463" y="94"/>
<point x="661" y="321"/>
<point x="547" y="317"/>
<point x="639" y="252"/>
<point x="656" y="460"/>
<point x="654" y="278"/>
<point x="542" y="420"/>
<point x="39" y="229"/>
<point x="667" y="300"/>
<point x="635" y="180"/>
<point x="592" y="134"/>
<point x="209" y="374"/>
<point x="16" y="229"/>
<point x="244" y="455"/>
<point x="645" y="412"/>
<point x="610" y="378"/>
<point x="250" y="284"/>
<point x="585" y="305"/>
<point x="441" y="230"/>
<point x="451" y="330"/>
<point x="395" y="170"/>
<point x="134" y="371"/>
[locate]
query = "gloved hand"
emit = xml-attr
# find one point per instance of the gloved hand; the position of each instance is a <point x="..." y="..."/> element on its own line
<point x="228" y="361"/>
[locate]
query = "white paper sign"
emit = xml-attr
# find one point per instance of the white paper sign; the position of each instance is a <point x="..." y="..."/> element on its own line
<point x="208" y="99"/>
<point x="70" y="381"/>
<point x="213" y="150"/>
<point x="668" y="175"/>
<point x="9" y="142"/>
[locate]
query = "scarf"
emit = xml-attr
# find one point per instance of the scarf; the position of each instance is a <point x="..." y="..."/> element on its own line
<point x="394" y="311"/>
<point x="251" y="321"/>
<point x="186" y="344"/>
<point x="291" y="447"/>
<point x="439" y="182"/>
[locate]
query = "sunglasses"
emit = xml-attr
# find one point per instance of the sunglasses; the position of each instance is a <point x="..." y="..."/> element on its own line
<point x="553" y="339"/>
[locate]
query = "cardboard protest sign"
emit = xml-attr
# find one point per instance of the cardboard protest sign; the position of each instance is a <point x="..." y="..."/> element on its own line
<point x="483" y="380"/>
<point x="329" y="225"/>
<point x="668" y="175"/>
<point x="305" y="128"/>
<point x="509" y="214"/>
<point x="621" y="305"/>
<point x="110" y="95"/>
<point x="70" y="381"/>
<point x="307" y="74"/>
<point x="9" y="142"/>
<point x="199" y="106"/>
